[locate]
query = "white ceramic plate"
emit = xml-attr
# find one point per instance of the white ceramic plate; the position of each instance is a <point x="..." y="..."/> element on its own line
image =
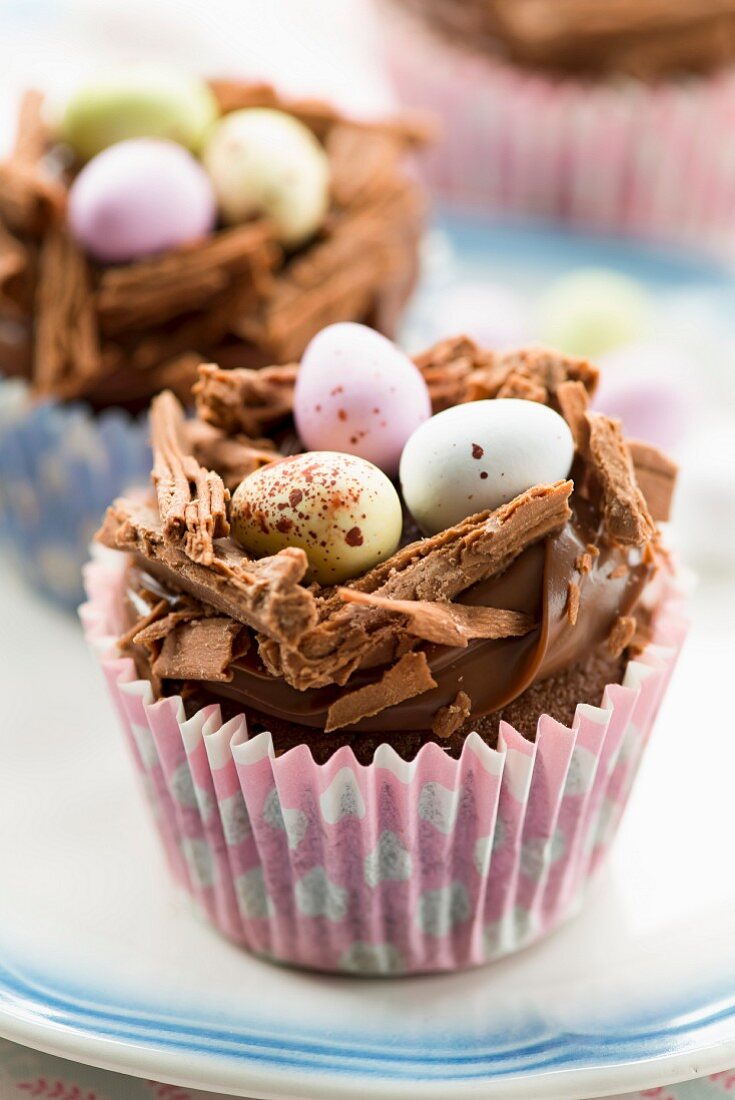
<point x="101" y="961"/>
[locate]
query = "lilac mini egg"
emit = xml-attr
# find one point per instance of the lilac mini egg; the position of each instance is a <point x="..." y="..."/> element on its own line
<point x="140" y="197"/>
<point x="356" y="392"/>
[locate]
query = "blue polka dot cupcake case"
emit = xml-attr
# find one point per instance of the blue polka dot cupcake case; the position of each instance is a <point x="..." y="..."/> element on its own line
<point x="60" y="466"/>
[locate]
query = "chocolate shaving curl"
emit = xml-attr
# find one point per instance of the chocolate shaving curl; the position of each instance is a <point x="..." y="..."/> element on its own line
<point x="66" y="352"/>
<point x="627" y="519"/>
<point x="656" y="476"/>
<point x="457" y="370"/>
<point x="234" y="263"/>
<point x="450" y="718"/>
<point x="573" y="399"/>
<point x="192" y="501"/>
<point x="31" y="199"/>
<point x="16" y="283"/>
<point x="409" y="677"/>
<point x="266" y="595"/>
<point x="199" y="649"/>
<point x="242" y="400"/>
<point x="412" y="128"/>
<point x="234" y="457"/>
<point x="449" y="624"/>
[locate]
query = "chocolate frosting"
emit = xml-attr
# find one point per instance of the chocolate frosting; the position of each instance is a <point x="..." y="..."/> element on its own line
<point x="495" y="672"/>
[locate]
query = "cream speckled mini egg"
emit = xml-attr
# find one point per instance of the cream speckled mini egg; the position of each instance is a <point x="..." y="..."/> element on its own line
<point x="341" y="510"/>
<point x="481" y="455"/>
<point x="263" y="161"/>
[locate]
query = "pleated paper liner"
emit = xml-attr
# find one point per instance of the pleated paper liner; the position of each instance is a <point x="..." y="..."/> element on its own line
<point x="60" y="466"/>
<point x="611" y="155"/>
<point x="393" y="868"/>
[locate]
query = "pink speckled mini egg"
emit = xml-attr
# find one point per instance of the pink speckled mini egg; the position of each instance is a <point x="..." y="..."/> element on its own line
<point x="357" y="393"/>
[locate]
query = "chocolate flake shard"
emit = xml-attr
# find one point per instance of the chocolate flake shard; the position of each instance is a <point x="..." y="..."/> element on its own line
<point x="266" y="595"/>
<point x="234" y="457"/>
<point x="449" y="624"/>
<point x="626" y="516"/>
<point x="433" y="569"/>
<point x="574" y="400"/>
<point x="412" y="128"/>
<point x="584" y="562"/>
<point x="242" y="400"/>
<point x="201" y="649"/>
<point x="457" y="370"/>
<point x="448" y="719"/>
<point x="621" y="634"/>
<point x="656" y="476"/>
<point x="30" y="198"/>
<point x="157" y="630"/>
<point x="138" y="630"/>
<point x="573" y="595"/>
<point x="409" y="677"/>
<point x="195" y="517"/>
<point x="66" y="351"/>
<point x="153" y="291"/>
<point x="16" y="291"/>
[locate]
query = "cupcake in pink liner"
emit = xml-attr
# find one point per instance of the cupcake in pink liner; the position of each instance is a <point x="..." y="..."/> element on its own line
<point x="387" y="695"/>
<point x="615" y="119"/>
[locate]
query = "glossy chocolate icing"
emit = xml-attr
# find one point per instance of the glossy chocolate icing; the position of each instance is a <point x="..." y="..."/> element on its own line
<point x="492" y="673"/>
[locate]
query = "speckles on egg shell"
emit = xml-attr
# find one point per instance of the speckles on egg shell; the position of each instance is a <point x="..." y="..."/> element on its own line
<point x="342" y="511"/>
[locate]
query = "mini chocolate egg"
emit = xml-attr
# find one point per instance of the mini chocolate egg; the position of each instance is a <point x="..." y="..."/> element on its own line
<point x="138" y="101"/>
<point x="356" y="392"/>
<point x="591" y="311"/>
<point x="653" y="389"/>
<point x="481" y="455"/>
<point x="489" y="313"/>
<point x="138" y="198"/>
<point x="263" y="161"/>
<point x="343" y="511"/>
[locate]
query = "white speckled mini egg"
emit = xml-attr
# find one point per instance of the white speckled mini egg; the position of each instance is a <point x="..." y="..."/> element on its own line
<point x="342" y="511"/>
<point x="481" y="455"/>
<point x="358" y="393"/>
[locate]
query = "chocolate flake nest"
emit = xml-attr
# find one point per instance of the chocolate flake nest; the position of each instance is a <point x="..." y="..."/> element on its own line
<point x="319" y="636"/>
<point x="647" y="40"/>
<point x="115" y="335"/>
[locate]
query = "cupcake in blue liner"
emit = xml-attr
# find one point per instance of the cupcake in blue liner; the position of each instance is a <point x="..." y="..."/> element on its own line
<point x="163" y="221"/>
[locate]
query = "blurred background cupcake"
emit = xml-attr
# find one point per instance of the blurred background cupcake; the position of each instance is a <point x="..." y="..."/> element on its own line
<point x="615" y="116"/>
<point x="156" y="220"/>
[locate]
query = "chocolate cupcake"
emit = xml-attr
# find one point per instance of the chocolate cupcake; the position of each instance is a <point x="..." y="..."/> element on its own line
<point x="426" y="742"/>
<point x="609" y="115"/>
<point x="125" y="262"/>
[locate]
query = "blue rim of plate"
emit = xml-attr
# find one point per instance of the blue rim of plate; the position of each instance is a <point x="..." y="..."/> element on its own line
<point x="444" y="1057"/>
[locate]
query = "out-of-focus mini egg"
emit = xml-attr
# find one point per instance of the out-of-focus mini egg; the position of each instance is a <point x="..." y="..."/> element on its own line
<point x="139" y="101"/>
<point x="591" y="311"/>
<point x="138" y="198"/>
<point x="263" y="161"/>
<point x="356" y="392"/>
<point x="342" y="511"/>
<point x="491" y="315"/>
<point x="649" y="386"/>
<point x="481" y="455"/>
